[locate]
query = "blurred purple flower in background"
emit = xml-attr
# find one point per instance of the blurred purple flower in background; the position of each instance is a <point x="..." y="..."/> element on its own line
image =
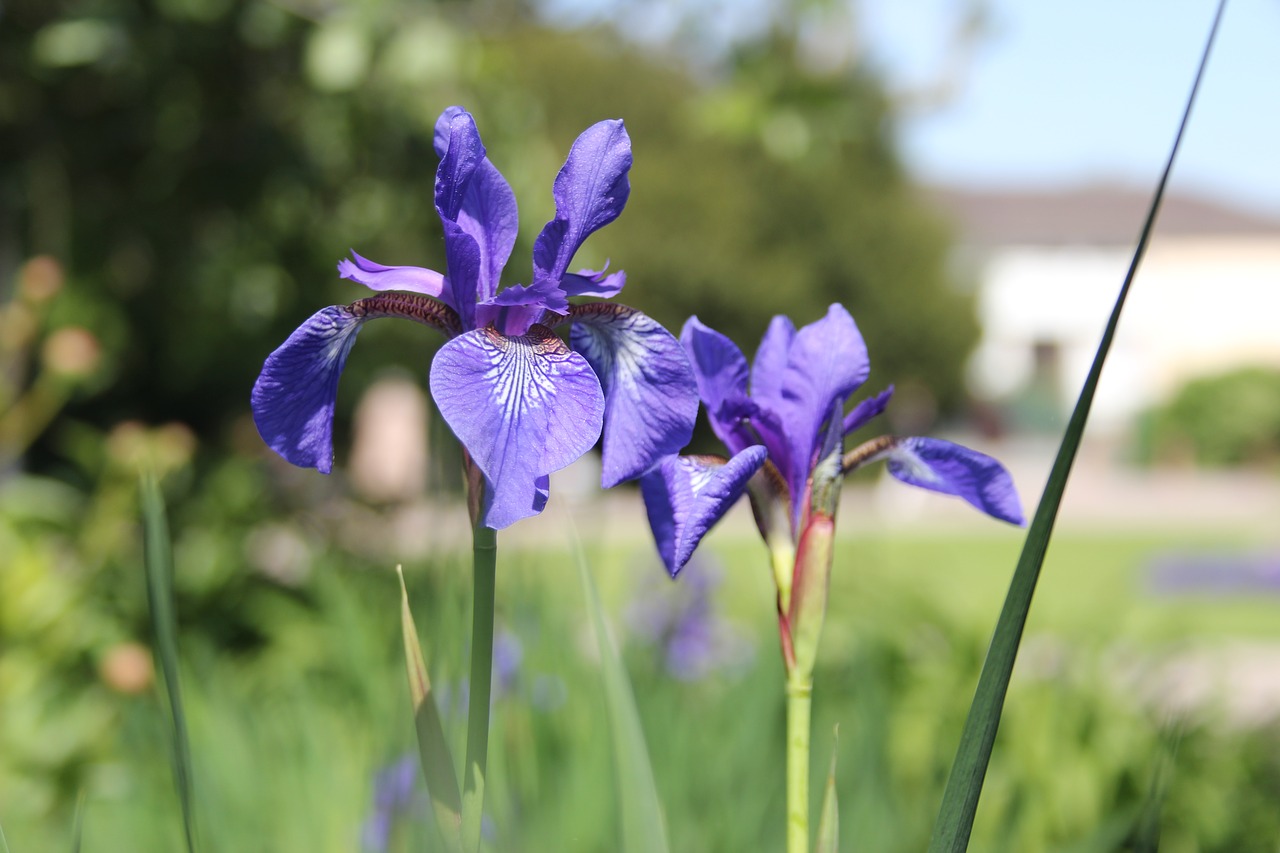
<point x="395" y="794"/>
<point x="693" y="640"/>
<point x="521" y="401"/>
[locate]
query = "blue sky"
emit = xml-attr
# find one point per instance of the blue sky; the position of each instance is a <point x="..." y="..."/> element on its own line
<point x="1056" y="92"/>
<point x="1092" y="90"/>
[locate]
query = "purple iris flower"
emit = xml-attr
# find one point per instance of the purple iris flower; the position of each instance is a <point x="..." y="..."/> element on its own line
<point x="784" y="417"/>
<point x="521" y="401"/>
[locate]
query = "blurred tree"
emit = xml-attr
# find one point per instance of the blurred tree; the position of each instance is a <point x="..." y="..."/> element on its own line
<point x="199" y="165"/>
<point x="1228" y="419"/>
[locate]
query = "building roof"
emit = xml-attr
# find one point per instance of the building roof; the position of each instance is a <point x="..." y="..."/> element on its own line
<point x="1098" y="215"/>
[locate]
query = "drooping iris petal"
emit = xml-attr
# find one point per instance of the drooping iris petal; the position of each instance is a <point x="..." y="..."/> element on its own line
<point x="523" y="406"/>
<point x="686" y="495"/>
<point x="651" y="401"/>
<point x="376" y="276"/>
<point x="488" y="211"/>
<point x="590" y="192"/>
<point x="593" y="283"/>
<point x="952" y="469"/>
<point x="872" y="407"/>
<point x="294" y="396"/>
<point x="720" y="369"/>
<point x="826" y="361"/>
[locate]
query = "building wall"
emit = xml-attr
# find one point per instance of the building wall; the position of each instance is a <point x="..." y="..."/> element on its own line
<point x="1199" y="305"/>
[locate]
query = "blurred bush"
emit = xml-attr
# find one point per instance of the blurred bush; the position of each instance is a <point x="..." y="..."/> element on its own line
<point x="1230" y="419"/>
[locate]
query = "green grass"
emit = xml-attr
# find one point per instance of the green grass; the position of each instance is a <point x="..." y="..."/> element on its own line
<point x="285" y="738"/>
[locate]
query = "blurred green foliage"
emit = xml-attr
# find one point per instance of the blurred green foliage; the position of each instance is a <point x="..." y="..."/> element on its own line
<point x="1226" y="420"/>
<point x="198" y="166"/>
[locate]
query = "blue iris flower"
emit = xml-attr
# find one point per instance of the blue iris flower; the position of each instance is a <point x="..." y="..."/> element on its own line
<point x="783" y="417"/>
<point x="522" y="401"/>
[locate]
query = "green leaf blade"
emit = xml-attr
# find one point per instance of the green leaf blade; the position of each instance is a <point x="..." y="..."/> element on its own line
<point x="643" y="824"/>
<point x="158" y="563"/>
<point x="433" y="748"/>
<point x="964" y="785"/>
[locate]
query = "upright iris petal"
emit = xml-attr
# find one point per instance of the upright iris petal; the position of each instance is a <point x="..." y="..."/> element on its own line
<point x="590" y="192"/>
<point x="523" y="406"/>
<point x="487" y="211"/>
<point x="826" y="361"/>
<point x="721" y="371"/>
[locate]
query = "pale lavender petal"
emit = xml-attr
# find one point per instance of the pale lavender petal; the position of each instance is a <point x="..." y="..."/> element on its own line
<point x="593" y="283"/>
<point x="651" y="401"/>
<point x="523" y="406"/>
<point x="720" y="369"/>
<point x="590" y="191"/>
<point x="686" y="495"/>
<point x="294" y="396"/>
<point x="376" y="276"/>
<point x="488" y="210"/>
<point x="865" y="411"/>
<point x="951" y="469"/>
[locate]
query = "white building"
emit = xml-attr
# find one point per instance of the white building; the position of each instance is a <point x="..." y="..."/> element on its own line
<point x="1048" y="265"/>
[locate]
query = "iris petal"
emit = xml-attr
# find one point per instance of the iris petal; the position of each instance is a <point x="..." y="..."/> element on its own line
<point x="770" y="364"/>
<point x="593" y="283"/>
<point x="523" y="406"/>
<point x="462" y="155"/>
<point x="721" y="372"/>
<point x="952" y="469"/>
<point x="651" y="401"/>
<point x="294" y="396"/>
<point x="590" y="192"/>
<point x="872" y="407"/>
<point x="487" y="212"/>
<point x="686" y="495"/>
<point x="826" y="361"/>
<point x="376" y="276"/>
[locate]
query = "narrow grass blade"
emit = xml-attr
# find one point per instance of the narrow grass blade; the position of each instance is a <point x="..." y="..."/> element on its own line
<point x="829" y="823"/>
<point x="159" y="569"/>
<point x="4" y="845"/>
<point x="433" y="749"/>
<point x="643" y="826"/>
<point x="1145" y="837"/>
<point x="960" y="799"/>
<point x="77" y="824"/>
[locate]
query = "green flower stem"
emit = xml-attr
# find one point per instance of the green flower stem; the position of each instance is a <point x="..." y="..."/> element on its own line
<point x="799" y="700"/>
<point x="485" y="559"/>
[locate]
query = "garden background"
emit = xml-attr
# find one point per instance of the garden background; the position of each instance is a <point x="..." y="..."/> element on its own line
<point x="177" y="180"/>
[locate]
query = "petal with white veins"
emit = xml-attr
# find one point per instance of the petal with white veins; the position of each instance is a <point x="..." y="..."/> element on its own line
<point x="651" y="401"/>
<point x="685" y="496"/>
<point x="523" y="406"/>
